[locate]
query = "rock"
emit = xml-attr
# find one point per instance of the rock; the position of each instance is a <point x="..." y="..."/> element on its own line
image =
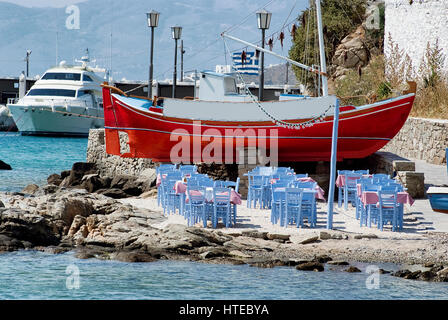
<point x="147" y="179"/>
<point x="66" y="209"/>
<point x="351" y="53"/>
<point x="310" y="266"/>
<point x="275" y="236"/>
<point x="413" y="275"/>
<point x="125" y="256"/>
<point x="65" y="174"/>
<point x="49" y="189"/>
<point x="414" y="182"/>
<point x="366" y="236"/>
<point x="78" y="221"/>
<point x="309" y="240"/>
<point x="4" y="166"/>
<point x="30" y="189"/>
<point x="338" y="263"/>
<point x="324" y="235"/>
<point x="239" y="254"/>
<point x="9" y="243"/>
<point x="403" y="165"/>
<point x="129" y="184"/>
<point x="54" y="179"/>
<point x="79" y="170"/>
<point x="149" y="194"/>
<point x="24" y="226"/>
<point x="213" y="253"/>
<point x="93" y="182"/>
<point x="401" y="273"/>
<point x="352" y="269"/>
<point x="2" y="205"/>
<point x="323" y="258"/>
<point x="382" y="271"/>
<point x="426" y="276"/>
<point x="255" y="234"/>
<point x="442" y="275"/>
<point x="113" y="193"/>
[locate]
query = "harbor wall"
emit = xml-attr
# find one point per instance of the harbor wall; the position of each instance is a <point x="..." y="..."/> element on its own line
<point x="111" y="165"/>
<point x="412" y="24"/>
<point x="423" y="139"/>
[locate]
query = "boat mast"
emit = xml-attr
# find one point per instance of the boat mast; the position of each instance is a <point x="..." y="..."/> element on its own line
<point x="323" y="63"/>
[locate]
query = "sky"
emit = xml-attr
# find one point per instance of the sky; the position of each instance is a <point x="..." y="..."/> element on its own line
<point x="44" y="3"/>
<point x="118" y="38"/>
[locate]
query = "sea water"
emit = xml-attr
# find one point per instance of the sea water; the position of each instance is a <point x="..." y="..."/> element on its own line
<point x="37" y="275"/>
<point x="33" y="159"/>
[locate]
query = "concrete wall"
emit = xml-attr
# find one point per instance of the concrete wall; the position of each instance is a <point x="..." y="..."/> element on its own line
<point x="412" y="24"/>
<point x="424" y="139"/>
<point x="111" y="165"/>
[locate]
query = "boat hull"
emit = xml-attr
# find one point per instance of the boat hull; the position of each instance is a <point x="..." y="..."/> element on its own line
<point x="41" y="120"/>
<point x="152" y="135"/>
<point x="438" y="198"/>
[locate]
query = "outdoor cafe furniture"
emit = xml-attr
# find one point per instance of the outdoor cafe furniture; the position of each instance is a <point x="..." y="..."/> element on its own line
<point x="370" y="200"/>
<point x="347" y="193"/>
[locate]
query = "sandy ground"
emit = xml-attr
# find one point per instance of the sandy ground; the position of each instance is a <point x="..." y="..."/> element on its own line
<point x="423" y="239"/>
<point x="258" y="219"/>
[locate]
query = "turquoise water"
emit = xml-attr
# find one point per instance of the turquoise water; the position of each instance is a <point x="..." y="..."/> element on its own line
<point x="33" y="159"/>
<point x="37" y="275"/>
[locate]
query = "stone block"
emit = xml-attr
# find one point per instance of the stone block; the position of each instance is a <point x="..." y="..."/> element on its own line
<point x="414" y="182"/>
<point x="403" y="166"/>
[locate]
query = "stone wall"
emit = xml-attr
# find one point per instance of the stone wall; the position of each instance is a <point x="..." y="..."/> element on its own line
<point x="111" y="165"/>
<point x="412" y="24"/>
<point x="424" y="139"/>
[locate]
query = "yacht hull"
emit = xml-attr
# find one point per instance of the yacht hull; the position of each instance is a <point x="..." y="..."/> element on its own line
<point x="56" y="121"/>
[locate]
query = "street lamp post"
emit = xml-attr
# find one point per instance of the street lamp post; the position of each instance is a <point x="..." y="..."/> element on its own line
<point x="264" y="20"/>
<point x="153" y="22"/>
<point x="27" y="59"/>
<point x="176" y="33"/>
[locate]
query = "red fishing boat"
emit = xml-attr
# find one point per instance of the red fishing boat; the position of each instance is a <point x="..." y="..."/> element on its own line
<point x="175" y="130"/>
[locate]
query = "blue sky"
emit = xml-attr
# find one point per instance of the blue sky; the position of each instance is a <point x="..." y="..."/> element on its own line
<point x="40" y="25"/>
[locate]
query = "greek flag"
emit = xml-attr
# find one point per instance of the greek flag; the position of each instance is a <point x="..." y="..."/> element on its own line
<point x="249" y="66"/>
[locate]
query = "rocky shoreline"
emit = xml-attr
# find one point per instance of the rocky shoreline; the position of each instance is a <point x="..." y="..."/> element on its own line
<point x="77" y="211"/>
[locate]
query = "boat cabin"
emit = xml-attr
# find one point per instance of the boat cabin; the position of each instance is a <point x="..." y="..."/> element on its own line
<point x="219" y="87"/>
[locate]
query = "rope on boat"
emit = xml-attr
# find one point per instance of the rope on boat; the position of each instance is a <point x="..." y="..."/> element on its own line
<point x="279" y="122"/>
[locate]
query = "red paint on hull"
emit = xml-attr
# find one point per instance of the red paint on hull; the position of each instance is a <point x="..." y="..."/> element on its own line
<point x="361" y="133"/>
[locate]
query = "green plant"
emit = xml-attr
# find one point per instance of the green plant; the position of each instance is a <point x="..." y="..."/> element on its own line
<point x="340" y="18"/>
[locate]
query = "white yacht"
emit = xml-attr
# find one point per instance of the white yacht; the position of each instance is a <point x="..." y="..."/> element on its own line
<point x="65" y="101"/>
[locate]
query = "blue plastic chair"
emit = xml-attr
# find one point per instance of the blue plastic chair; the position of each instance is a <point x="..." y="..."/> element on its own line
<point x="278" y="197"/>
<point x="196" y="206"/>
<point x="341" y="189"/>
<point x="293" y="206"/>
<point x="388" y="208"/>
<point x="308" y="210"/>
<point x="235" y="185"/>
<point x="221" y="206"/>
<point x="350" y="189"/>
<point x="171" y="200"/>
<point x="369" y="212"/>
<point x="255" y="191"/>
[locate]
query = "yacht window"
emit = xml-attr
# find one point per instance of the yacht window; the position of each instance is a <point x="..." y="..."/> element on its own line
<point x="86" y="78"/>
<point x="52" y="92"/>
<point x="83" y="93"/>
<point x="62" y="76"/>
